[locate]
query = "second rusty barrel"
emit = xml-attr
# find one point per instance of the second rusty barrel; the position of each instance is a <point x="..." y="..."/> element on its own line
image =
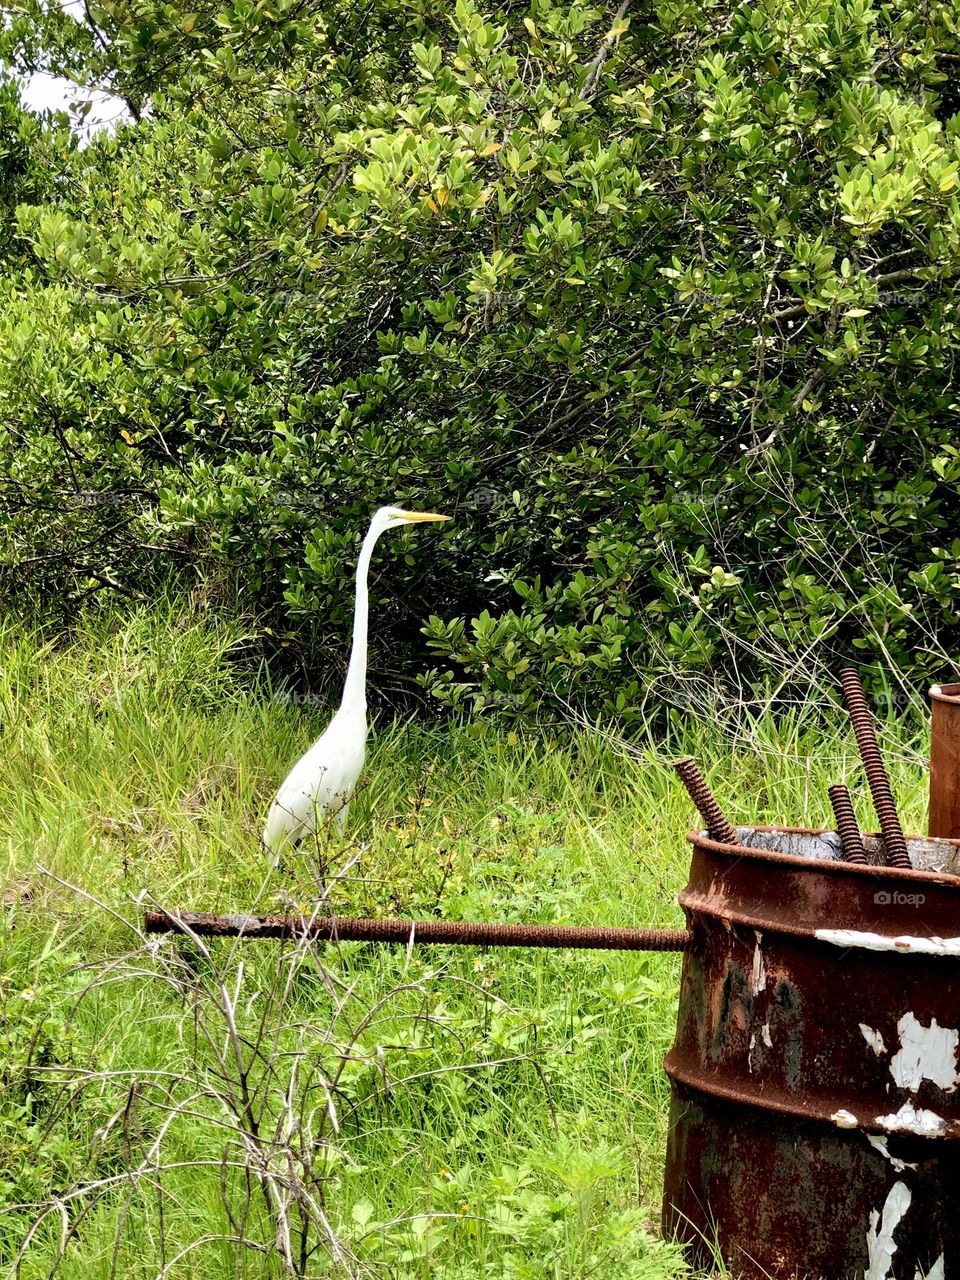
<point x="945" y="760"/>
<point x="815" y="1120"/>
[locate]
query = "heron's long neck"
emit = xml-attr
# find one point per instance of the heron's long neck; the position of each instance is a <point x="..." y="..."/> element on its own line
<point x="355" y="686"/>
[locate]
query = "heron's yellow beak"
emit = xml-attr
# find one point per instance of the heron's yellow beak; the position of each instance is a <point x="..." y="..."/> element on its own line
<point x="419" y="517"/>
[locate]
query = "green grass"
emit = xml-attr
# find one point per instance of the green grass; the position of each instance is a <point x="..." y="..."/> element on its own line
<point x="444" y="1113"/>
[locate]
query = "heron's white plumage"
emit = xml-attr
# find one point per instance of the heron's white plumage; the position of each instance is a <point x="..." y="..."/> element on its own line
<point x="322" y="781"/>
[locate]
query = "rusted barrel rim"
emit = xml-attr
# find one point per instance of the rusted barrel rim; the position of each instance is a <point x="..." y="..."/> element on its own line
<point x="778" y="1101"/>
<point x="946" y="693"/>
<point x="828" y="865"/>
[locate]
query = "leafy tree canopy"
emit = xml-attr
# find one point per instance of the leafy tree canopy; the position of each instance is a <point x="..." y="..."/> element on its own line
<point x="660" y="303"/>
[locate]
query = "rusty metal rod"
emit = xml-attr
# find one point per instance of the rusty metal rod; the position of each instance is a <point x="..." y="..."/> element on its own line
<point x="459" y="933"/>
<point x="851" y="841"/>
<point x="895" y="846"/>
<point x="718" y="828"/>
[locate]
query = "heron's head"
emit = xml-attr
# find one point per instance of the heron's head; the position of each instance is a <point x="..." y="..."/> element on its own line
<point x="394" y="517"/>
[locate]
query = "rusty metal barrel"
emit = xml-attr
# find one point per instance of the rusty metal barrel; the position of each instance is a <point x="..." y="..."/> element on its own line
<point x="945" y="761"/>
<point x="815" y="1117"/>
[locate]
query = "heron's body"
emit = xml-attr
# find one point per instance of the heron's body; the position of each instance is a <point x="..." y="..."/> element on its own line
<point x="321" y="783"/>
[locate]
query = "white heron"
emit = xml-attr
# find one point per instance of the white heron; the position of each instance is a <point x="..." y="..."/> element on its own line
<point x="321" y="783"/>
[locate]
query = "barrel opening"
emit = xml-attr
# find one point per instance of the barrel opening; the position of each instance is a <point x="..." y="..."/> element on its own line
<point x="823" y="846"/>
<point x="927" y="853"/>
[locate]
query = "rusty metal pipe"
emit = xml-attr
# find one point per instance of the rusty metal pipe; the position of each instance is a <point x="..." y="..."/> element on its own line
<point x="851" y="841"/>
<point x="895" y="845"/>
<point x="403" y="932"/>
<point x="714" y="819"/>
<point x="945" y="761"/>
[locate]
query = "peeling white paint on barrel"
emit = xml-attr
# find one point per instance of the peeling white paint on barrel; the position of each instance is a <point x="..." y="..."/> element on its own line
<point x="926" y="1053"/>
<point x="937" y="1272"/>
<point x="844" y="1119"/>
<point x="759" y="975"/>
<point x="910" y="1119"/>
<point x="880" y="1144"/>
<point x="880" y="1244"/>
<point x="874" y="1039"/>
<point x="904" y="943"/>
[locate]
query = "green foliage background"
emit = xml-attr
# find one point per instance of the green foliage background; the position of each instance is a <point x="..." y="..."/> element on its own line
<point x="661" y="305"/>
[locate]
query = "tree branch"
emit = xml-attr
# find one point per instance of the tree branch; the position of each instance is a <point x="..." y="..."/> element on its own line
<point x="603" y="53"/>
<point x="892" y="277"/>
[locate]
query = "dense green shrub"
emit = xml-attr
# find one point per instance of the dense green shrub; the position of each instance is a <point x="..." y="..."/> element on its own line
<point x="662" y="308"/>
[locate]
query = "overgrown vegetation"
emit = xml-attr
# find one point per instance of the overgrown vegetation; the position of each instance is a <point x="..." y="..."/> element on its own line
<point x="662" y="308"/>
<point x="661" y="305"/>
<point x="183" y="1110"/>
